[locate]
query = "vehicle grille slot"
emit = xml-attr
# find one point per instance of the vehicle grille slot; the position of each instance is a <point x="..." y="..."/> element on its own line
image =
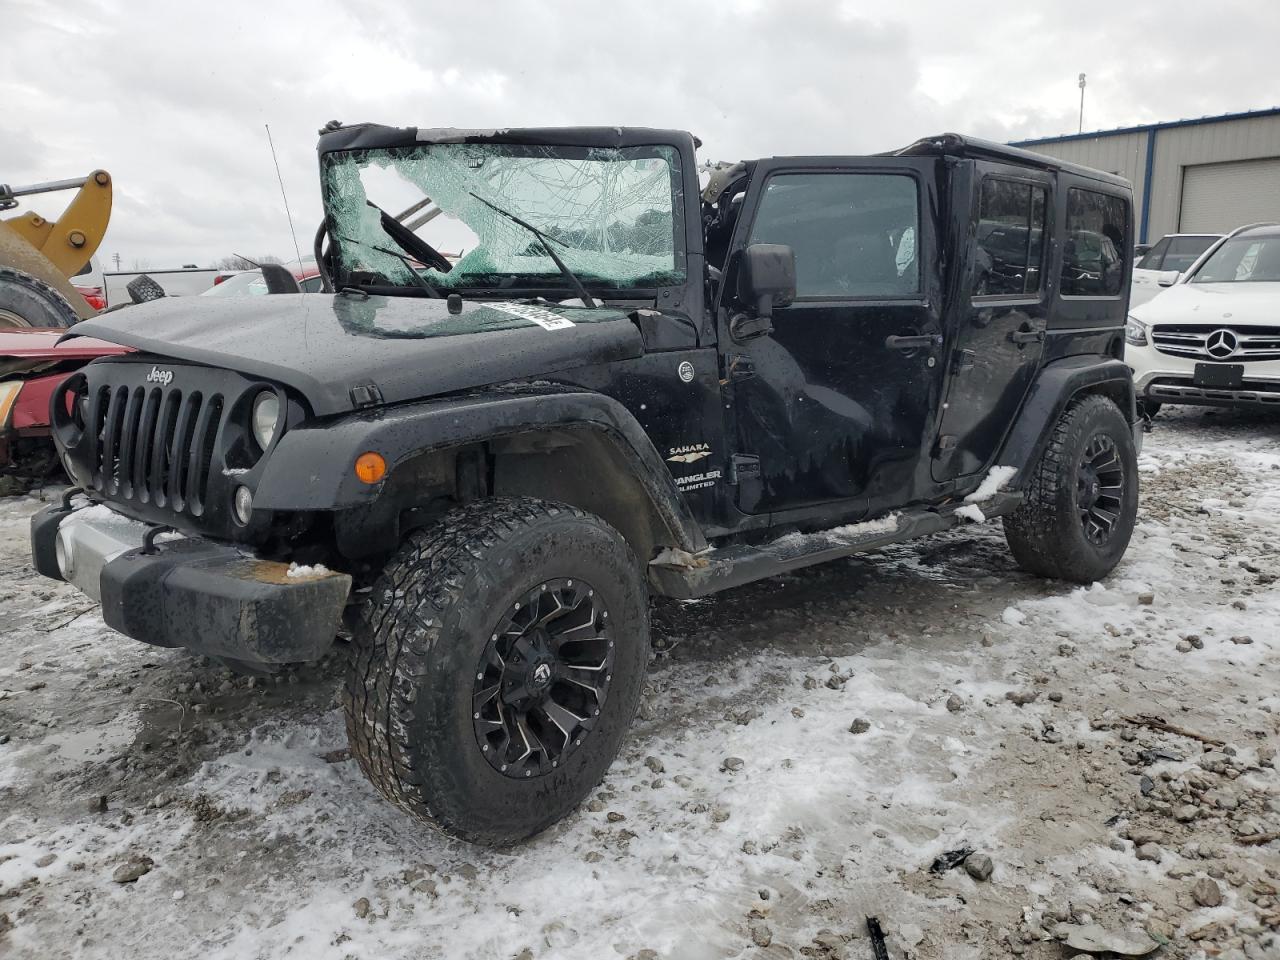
<point x="178" y="454"/>
<point x="117" y="401"/>
<point x="97" y="420"/>
<point x="128" y="440"/>
<point x="161" y="444"/>
<point x="201" y="457"/>
<point x="145" y="444"/>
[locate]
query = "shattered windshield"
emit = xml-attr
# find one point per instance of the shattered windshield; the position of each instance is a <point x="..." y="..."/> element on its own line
<point x="612" y="215"/>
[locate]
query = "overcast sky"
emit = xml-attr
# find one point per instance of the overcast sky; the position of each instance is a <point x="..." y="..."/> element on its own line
<point x="173" y="103"/>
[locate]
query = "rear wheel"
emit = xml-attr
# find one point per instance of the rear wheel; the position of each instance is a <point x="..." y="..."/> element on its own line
<point x="496" y="667"/>
<point x="1082" y="498"/>
<point x="28" y="302"/>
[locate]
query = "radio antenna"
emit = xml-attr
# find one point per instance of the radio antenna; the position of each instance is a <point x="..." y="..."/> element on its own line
<point x="271" y="143"/>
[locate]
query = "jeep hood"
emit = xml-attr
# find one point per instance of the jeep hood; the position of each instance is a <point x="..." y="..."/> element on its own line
<point x="409" y="348"/>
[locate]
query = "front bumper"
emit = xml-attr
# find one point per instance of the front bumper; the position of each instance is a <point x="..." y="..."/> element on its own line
<point x="209" y="597"/>
<point x="1163" y="378"/>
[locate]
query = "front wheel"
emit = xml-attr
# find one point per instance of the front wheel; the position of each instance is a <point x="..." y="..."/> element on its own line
<point x="1081" y="499"/>
<point x="496" y="667"/>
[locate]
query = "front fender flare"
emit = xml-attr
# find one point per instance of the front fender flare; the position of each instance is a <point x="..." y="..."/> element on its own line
<point x="312" y="466"/>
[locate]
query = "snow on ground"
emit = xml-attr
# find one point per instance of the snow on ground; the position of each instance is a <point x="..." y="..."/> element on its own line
<point x="806" y="747"/>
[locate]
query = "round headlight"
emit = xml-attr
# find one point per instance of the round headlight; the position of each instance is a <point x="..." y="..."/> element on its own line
<point x="266" y="414"/>
<point x="243" y="504"/>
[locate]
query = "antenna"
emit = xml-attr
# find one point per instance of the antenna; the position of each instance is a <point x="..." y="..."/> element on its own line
<point x="271" y="143"/>
<point x="1080" y="129"/>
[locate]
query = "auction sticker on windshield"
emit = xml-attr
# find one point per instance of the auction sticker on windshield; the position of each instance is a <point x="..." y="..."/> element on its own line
<point x="543" y="318"/>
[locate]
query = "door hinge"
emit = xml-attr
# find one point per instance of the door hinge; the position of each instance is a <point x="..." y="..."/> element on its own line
<point x="945" y="444"/>
<point x="743" y="467"/>
<point x="741" y="367"/>
<point x="963" y="360"/>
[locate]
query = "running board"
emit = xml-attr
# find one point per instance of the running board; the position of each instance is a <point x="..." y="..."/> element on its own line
<point x="685" y="576"/>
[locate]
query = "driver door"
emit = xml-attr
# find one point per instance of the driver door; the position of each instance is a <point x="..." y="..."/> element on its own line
<point x="834" y="404"/>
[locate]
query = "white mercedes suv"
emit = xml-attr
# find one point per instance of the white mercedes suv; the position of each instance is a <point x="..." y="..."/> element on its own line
<point x="1213" y="338"/>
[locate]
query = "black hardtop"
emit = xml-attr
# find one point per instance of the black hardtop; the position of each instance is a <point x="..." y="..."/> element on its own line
<point x="973" y="148"/>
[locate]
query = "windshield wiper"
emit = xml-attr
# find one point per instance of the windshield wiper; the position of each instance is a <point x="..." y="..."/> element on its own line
<point x="410" y="242"/>
<point x="418" y="279"/>
<point x="546" y="245"/>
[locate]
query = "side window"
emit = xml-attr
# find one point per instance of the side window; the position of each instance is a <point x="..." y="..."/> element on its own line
<point x="310" y="285"/>
<point x="1184" y="251"/>
<point x="1152" y="259"/>
<point x="854" y="234"/>
<point x="1010" y="239"/>
<point x="1094" y="247"/>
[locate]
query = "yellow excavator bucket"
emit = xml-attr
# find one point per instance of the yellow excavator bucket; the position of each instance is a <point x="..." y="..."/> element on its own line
<point x="55" y="250"/>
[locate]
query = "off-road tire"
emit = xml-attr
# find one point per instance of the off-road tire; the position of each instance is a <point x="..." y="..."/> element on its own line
<point x="1045" y="533"/>
<point x="421" y="633"/>
<point x="143" y="289"/>
<point x="28" y="302"/>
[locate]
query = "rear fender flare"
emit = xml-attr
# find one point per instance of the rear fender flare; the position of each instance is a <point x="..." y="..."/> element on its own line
<point x="312" y="467"/>
<point x="1057" y="385"/>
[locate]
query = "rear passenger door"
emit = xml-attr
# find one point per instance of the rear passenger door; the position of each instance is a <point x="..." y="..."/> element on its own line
<point x="1001" y="320"/>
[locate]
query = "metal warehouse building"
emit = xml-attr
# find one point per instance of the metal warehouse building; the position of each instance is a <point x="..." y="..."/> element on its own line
<point x="1189" y="176"/>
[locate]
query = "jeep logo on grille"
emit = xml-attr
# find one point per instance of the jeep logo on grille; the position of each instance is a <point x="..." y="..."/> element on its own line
<point x="162" y="377"/>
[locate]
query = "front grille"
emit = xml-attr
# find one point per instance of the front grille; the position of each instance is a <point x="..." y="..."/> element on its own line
<point x="1206" y="342"/>
<point x="154" y="444"/>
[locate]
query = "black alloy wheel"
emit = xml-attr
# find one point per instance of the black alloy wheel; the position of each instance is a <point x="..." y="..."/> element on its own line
<point x="543" y="678"/>
<point x="1100" y="489"/>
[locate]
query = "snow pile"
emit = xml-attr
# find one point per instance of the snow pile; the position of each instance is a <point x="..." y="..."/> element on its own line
<point x="971" y="511"/>
<point x="991" y="484"/>
<point x="848" y="533"/>
<point x="302" y="571"/>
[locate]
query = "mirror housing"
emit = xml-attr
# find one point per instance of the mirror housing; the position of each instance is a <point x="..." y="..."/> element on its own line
<point x="1168" y="278"/>
<point x="280" y="279"/>
<point x="766" y="279"/>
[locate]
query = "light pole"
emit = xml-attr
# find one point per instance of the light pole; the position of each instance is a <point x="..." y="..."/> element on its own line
<point x="1081" y="127"/>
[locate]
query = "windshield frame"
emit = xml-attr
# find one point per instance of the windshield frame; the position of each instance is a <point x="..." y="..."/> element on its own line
<point x="576" y="143"/>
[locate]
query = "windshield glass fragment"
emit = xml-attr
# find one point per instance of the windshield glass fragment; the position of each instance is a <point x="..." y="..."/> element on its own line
<point x="612" y="215"/>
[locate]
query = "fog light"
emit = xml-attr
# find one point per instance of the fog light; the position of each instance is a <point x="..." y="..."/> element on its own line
<point x="62" y="552"/>
<point x="243" y="502"/>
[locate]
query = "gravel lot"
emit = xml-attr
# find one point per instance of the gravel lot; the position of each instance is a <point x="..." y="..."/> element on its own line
<point x="806" y="748"/>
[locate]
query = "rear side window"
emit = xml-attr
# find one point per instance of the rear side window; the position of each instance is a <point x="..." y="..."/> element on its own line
<point x="1184" y="251"/>
<point x="854" y="234"/>
<point x="1010" y="239"/>
<point x="1094" y="247"/>
<point x="1152" y="259"/>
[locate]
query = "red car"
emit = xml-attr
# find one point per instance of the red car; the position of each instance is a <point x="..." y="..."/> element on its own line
<point x="32" y="364"/>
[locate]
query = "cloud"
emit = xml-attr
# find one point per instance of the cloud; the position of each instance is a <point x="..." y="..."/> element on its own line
<point x="172" y="98"/>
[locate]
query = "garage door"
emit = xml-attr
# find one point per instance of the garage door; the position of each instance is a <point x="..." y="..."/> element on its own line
<point x="1217" y="197"/>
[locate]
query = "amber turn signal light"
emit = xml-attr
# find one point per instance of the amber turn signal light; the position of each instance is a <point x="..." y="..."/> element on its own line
<point x="370" y="467"/>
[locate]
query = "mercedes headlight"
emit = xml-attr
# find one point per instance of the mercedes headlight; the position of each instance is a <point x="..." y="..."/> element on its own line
<point x="1135" y="332"/>
<point x="266" y="416"/>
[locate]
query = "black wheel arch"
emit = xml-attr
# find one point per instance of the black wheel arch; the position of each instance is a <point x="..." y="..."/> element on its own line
<point x="577" y="447"/>
<point x="1056" y="387"/>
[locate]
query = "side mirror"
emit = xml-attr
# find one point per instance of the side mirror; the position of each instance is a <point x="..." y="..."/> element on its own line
<point x="280" y="279"/>
<point x="1168" y="278"/>
<point x="766" y="279"/>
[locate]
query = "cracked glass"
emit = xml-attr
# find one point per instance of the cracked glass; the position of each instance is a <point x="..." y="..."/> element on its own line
<point x="613" y="215"/>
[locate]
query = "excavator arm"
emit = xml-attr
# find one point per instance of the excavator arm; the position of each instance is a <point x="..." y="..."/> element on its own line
<point x="55" y="250"/>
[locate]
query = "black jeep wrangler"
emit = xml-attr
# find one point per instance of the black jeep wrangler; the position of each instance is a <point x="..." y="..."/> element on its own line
<point x="480" y="464"/>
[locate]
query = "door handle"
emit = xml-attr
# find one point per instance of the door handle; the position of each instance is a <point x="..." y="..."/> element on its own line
<point x="920" y="342"/>
<point x="1026" y="336"/>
